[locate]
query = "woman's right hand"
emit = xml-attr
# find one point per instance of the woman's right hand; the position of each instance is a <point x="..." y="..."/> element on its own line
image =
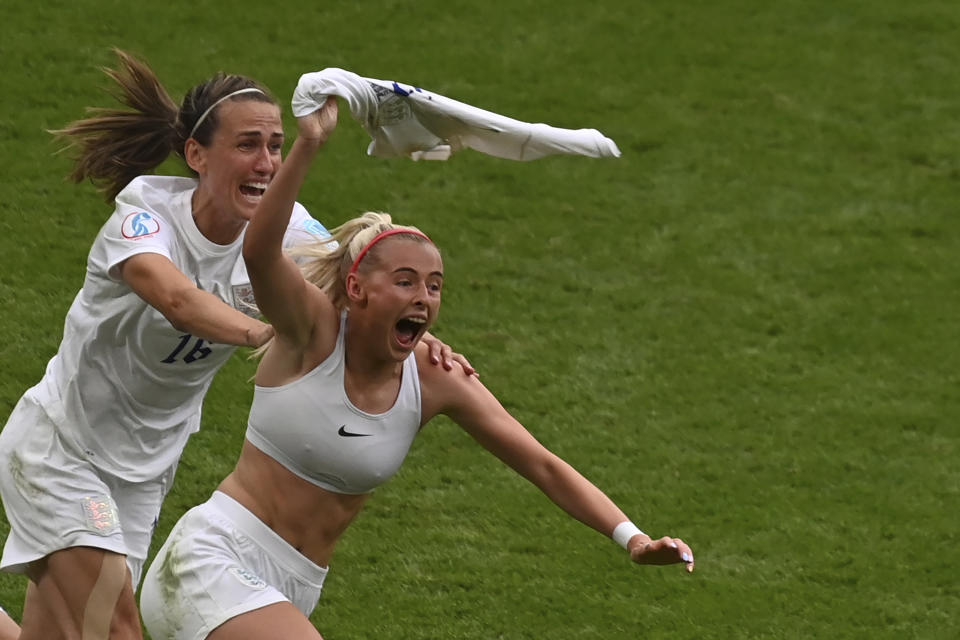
<point x="259" y="335"/>
<point x="318" y="125"/>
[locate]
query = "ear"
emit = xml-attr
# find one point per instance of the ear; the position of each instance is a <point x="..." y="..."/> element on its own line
<point x="195" y="155"/>
<point x="355" y="290"/>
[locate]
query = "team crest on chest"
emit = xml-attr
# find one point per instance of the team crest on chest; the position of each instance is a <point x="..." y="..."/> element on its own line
<point x="243" y="300"/>
<point x="139" y="225"/>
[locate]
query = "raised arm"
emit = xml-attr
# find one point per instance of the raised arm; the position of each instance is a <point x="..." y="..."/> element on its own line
<point x="280" y="291"/>
<point x="471" y="405"/>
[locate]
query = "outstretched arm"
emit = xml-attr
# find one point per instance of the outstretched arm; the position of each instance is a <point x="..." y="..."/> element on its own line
<point x="280" y="290"/>
<point x="164" y="287"/>
<point x="466" y="401"/>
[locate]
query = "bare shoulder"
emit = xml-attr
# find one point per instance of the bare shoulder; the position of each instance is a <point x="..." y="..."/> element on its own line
<point x="435" y="374"/>
<point x="445" y="391"/>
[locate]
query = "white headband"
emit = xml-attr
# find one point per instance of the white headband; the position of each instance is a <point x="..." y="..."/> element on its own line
<point x="204" y="115"/>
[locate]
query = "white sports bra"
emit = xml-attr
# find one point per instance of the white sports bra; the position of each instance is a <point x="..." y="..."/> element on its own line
<point x="311" y="427"/>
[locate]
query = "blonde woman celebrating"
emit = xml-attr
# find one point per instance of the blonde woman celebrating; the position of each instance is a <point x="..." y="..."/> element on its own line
<point x="341" y="392"/>
<point x="89" y="452"/>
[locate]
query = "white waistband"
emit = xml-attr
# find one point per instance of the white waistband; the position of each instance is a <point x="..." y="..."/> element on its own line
<point x="279" y="549"/>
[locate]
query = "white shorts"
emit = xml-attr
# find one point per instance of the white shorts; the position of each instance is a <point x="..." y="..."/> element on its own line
<point x="221" y="561"/>
<point x="55" y="499"/>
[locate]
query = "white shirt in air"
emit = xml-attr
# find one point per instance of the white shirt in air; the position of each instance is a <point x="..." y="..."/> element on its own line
<point x="126" y="387"/>
<point x="405" y="120"/>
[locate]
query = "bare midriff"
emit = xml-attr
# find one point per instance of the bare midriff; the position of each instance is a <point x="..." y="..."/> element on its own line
<point x="309" y="518"/>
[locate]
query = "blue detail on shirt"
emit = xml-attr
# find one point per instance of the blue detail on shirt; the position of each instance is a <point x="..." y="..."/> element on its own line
<point x="400" y="91"/>
<point x="137" y="224"/>
<point x="314" y="227"/>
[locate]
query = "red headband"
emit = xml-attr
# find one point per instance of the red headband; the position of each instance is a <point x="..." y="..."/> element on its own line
<point x="380" y="236"/>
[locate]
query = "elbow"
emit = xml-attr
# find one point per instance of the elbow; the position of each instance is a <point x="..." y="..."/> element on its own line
<point x="556" y="470"/>
<point x="177" y="311"/>
<point x="547" y="471"/>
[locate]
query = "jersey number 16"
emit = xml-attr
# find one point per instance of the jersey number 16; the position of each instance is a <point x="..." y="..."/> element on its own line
<point x="198" y="352"/>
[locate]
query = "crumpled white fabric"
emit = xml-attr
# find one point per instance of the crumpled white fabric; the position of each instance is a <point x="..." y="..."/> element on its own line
<point x="407" y="121"/>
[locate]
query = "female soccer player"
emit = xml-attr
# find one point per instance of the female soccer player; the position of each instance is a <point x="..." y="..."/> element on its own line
<point x="341" y="392"/>
<point x="88" y="454"/>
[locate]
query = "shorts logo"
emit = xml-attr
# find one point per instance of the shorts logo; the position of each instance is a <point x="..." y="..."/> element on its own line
<point x="248" y="578"/>
<point x="100" y="514"/>
<point x="139" y="225"/>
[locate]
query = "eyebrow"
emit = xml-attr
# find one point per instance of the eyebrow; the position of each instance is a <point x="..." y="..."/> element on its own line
<point x="256" y="134"/>
<point x="414" y="271"/>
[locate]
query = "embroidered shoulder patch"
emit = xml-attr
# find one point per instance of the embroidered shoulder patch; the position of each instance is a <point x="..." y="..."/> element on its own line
<point x="139" y="225"/>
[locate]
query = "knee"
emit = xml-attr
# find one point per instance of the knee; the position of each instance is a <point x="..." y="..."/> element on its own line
<point x="81" y="592"/>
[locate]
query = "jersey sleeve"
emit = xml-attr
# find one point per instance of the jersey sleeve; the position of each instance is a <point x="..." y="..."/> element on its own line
<point x="131" y="230"/>
<point x="303" y="228"/>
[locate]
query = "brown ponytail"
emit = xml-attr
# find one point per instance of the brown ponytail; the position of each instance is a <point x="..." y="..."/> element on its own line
<point x="115" y="145"/>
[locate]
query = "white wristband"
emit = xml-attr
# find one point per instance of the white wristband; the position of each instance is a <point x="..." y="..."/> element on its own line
<point x="624" y="531"/>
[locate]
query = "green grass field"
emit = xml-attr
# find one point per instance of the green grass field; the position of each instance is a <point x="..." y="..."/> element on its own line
<point x="744" y="329"/>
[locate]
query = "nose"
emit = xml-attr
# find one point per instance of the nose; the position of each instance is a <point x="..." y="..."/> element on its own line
<point x="264" y="161"/>
<point x="421" y="294"/>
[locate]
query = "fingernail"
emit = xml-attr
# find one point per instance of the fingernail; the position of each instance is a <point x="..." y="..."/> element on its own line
<point x="685" y="557"/>
<point x="673" y="545"/>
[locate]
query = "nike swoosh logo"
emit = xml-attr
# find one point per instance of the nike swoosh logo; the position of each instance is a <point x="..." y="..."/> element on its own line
<point x="347" y="434"/>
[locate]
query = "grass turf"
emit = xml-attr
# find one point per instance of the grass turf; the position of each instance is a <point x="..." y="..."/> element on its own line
<point x="741" y="329"/>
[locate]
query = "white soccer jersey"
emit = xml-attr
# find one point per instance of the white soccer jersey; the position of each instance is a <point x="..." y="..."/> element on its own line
<point x="126" y="387"/>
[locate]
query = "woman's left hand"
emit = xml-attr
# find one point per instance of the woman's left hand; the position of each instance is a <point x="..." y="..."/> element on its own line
<point x="441" y="353"/>
<point x="665" y="550"/>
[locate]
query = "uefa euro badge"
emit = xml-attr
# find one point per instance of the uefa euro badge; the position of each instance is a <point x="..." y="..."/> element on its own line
<point x="100" y="512"/>
<point x="139" y="224"/>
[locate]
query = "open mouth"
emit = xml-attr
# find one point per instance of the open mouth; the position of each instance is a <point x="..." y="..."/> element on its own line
<point x="409" y="330"/>
<point x="253" y="191"/>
